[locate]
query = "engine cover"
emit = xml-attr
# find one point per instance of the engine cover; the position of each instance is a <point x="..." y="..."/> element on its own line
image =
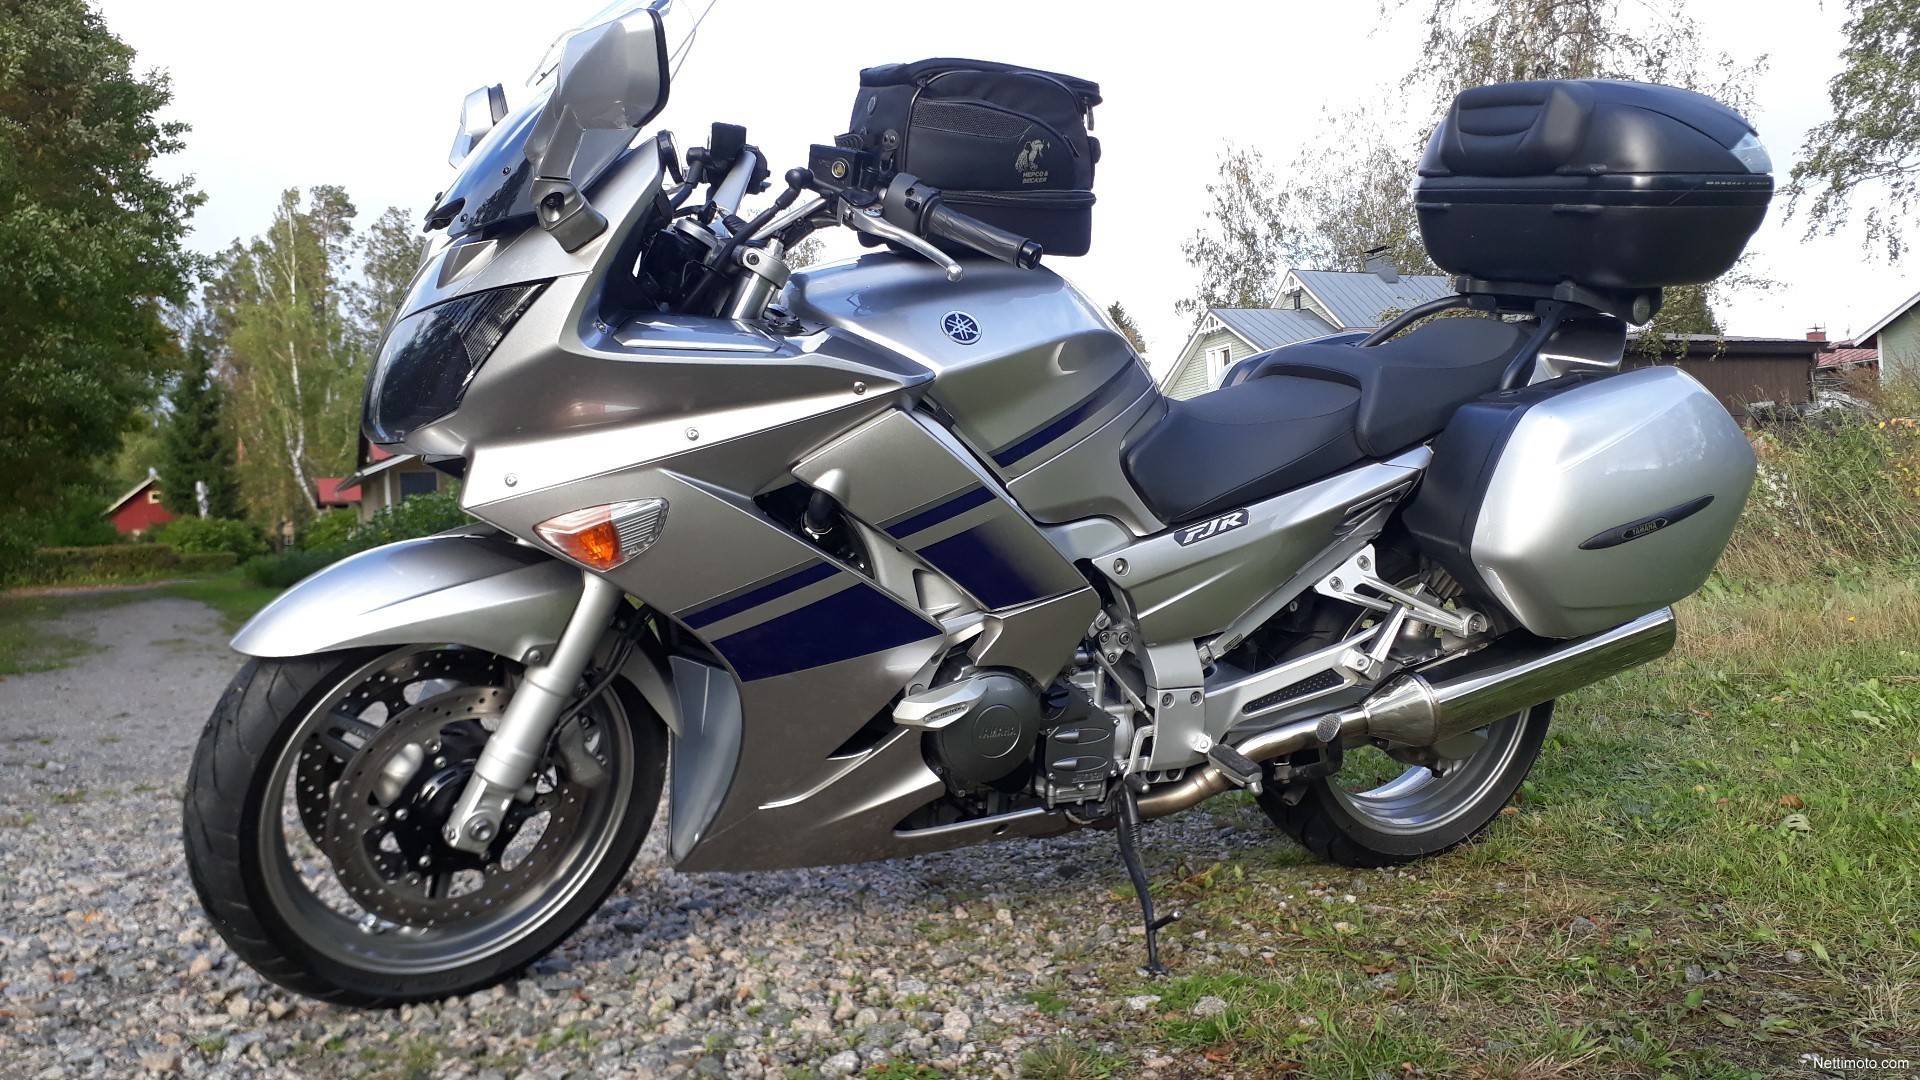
<point x="993" y="738"/>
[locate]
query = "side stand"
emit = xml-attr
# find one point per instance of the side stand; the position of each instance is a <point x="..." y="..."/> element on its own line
<point x="1128" y="828"/>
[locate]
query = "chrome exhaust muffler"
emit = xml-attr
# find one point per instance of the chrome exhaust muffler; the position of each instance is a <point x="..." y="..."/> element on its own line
<point x="1449" y="698"/>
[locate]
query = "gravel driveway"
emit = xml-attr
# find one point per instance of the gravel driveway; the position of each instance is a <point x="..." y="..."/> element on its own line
<point x="107" y="967"/>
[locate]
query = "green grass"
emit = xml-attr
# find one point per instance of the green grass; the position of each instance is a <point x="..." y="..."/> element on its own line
<point x="1739" y="823"/>
<point x="1067" y="1059"/>
<point x="227" y="592"/>
<point x="28" y="643"/>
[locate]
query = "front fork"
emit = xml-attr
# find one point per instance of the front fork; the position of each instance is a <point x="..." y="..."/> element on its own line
<point x="517" y="746"/>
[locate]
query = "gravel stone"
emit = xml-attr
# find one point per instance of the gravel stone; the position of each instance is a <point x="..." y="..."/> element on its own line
<point x="109" y="968"/>
<point x="1209" y="1006"/>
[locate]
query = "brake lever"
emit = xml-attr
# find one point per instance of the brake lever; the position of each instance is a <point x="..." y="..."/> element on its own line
<point x="869" y="221"/>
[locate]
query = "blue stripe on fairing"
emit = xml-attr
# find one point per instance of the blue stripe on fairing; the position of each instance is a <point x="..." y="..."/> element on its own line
<point x="953" y="507"/>
<point x="773" y="590"/>
<point x="1068" y="420"/>
<point x="969" y="559"/>
<point x="855" y="621"/>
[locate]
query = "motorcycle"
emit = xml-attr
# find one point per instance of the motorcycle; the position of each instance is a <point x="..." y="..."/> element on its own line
<point x="908" y="552"/>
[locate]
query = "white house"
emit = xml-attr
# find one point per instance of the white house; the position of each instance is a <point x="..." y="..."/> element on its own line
<point x="1310" y="304"/>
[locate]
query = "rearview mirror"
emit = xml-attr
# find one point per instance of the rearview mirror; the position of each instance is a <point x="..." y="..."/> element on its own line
<point x="612" y="79"/>
<point x="479" y="113"/>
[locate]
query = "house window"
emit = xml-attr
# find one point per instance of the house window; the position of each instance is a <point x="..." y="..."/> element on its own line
<point x="1217" y="361"/>
<point x="418" y="483"/>
<point x="153" y="496"/>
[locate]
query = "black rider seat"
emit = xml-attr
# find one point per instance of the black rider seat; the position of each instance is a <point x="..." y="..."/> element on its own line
<point x="1301" y="412"/>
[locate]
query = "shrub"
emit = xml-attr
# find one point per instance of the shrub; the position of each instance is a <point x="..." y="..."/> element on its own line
<point x="422" y="515"/>
<point x="88" y="565"/>
<point x="329" y="530"/>
<point x="280" y="571"/>
<point x="207" y="562"/>
<point x="81" y="522"/>
<point x="1840" y="493"/>
<point x="206" y="535"/>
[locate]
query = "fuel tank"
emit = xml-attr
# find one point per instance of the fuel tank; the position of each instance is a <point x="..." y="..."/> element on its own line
<point x="1028" y="373"/>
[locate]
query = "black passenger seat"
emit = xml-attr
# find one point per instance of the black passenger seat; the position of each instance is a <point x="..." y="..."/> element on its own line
<point x="1296" y="414"/>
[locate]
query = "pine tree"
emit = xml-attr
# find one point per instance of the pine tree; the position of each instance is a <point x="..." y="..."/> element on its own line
<point x="1124" y="323"/>
<point x="196" y="444"/>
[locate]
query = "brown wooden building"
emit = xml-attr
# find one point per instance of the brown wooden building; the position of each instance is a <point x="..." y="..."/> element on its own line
<point x="1748" y="374"/>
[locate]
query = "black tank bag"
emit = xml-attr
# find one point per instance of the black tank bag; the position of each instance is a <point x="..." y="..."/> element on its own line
<point x="1008" y="145"/>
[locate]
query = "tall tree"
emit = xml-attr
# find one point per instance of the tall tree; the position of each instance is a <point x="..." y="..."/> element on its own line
<point x="90" y="248"/>
<point x="1240" y="249"/>
<point x="389" y="253"/>
<point x="1349" y="196"/>
<point x="196" y="446"/>
<point x="1351" y="191"/>
<point x="1130" y="330"/>
<point x="805" y="253"/>
<point x="1872" y="143"/>
<point x="281" y="304"/>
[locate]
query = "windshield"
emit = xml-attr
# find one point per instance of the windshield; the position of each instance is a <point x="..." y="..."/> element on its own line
<point x="495" y="181"/>
<point x="679" y="18"/>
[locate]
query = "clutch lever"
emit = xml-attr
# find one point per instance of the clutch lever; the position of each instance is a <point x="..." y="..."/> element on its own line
<point x="868" y="219"/>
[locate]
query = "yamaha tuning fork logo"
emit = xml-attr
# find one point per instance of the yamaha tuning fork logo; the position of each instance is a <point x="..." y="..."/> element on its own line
<point x="961" y="327"/>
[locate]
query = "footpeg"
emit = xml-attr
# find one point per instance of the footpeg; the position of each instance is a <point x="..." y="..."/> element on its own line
<point x="1236" y="766"/>
<point x="1128" y="830"/>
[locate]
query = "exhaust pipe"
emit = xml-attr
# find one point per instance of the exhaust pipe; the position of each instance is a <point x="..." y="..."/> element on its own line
<point x="1450" y="698"/>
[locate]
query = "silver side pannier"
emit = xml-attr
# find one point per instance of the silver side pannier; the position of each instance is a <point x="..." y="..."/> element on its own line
<point x="1582" y="502"/>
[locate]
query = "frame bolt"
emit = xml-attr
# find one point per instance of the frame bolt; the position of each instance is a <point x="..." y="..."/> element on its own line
<point x="511" y="479"/>
<point x="424" y="862"/>
<point x="1194" y="698"/>
<point x="1166" y="700"/>
<point x="693" y="433"/>
<point x="859" y="388"/>
<point x="481" y="830"/>
<point x="1119" y="566"/>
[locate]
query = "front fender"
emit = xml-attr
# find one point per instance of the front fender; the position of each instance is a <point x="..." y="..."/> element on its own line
<point x="482" y="591"/>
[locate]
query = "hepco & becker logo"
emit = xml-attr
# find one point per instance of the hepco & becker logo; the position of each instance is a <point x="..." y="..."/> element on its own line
<point x="1028" y="163"/>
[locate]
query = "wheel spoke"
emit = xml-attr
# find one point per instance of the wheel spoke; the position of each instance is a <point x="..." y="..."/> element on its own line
<point x="341" y="723"/>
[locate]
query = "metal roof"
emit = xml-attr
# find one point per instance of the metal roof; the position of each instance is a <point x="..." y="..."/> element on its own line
<point x="1270" y="328"/>
<point x="1357" y="299"/>
<point x="1887" y="318"/>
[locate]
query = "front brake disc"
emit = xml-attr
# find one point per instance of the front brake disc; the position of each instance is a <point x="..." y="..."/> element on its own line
<point x="383" y="695"/>
<point x="394" y="796"/>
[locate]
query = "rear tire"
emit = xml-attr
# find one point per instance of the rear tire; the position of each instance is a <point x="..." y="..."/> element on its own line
<point x="1341" y="826"/>
<point x="237" y="780"/>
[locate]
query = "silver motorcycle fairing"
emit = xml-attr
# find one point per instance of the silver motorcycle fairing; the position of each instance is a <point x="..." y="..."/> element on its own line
<point x="486" y="592"/>
<point x="1042" y="391"/>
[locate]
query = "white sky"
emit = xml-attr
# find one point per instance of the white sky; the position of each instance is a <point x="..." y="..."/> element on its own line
<point x="364" y="94"/>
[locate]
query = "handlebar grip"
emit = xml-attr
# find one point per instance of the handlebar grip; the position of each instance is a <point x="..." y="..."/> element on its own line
<point x="949" y="224"/>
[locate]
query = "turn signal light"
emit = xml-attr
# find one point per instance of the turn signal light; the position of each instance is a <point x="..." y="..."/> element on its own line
<point x="603" y="537"/>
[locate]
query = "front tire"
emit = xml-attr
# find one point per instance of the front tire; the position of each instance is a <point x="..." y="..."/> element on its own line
<point x="252" y="857"/>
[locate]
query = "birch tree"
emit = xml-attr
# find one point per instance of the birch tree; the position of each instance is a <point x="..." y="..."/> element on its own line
<point x="1871" y="146"/>
<point x="294" y="352"/>
<point x="1240" y="250"/>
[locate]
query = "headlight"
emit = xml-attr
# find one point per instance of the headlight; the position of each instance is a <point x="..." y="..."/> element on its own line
<point x="429" y="357"/>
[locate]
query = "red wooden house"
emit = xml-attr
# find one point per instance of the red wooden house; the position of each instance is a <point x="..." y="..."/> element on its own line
<point x="139" y="510"/>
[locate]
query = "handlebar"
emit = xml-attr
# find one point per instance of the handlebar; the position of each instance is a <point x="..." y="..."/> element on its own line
<point x="941" y="220"/>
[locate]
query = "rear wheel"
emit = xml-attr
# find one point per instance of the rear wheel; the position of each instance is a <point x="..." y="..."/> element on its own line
<point x="1377" y="811"/>
<point x="314" y="805"/>
<point x="1380" y="810"/>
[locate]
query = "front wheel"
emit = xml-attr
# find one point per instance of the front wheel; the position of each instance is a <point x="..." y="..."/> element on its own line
<point x="314" y="805"/>
<point x="1377" y="811"/>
